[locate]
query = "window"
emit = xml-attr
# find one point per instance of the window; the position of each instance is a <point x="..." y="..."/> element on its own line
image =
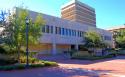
<point x="43" y="29"/>
<point x="58" y="30"/>
<point x="78" y="33"/>
<point x="70" y="32"/>
<point x="63" y="31"/>
<point x="81" y="33"/>
<point x="47" y="29"/>
<point x="107" y="37"/>
<point x="74" y="32"/>
<point x="51" y="29"/>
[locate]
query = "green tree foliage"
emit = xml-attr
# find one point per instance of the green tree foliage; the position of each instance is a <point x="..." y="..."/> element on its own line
<point x="93" y="39"/>
<point x="17" y="30"/>
<point x="120" y="39"/>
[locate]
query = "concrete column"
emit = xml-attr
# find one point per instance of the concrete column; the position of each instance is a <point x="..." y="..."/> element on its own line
<point x="54" y="49"/>
<point x="77" y="47"/>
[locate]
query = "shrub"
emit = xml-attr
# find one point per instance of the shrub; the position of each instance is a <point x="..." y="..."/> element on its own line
<point x="7" y="62"/>
<point x="6" y="68"/>
<point x="37" y="65"/>
<point x="31" y="54"/>
<point x="31" y="60"/>
<point x="81" y="53"/>
<point x="23" y="66"/>
<point x="89" y="57"/>
<point x="2" y="50"/>
<point x="36" y="61"/>
<point x="48" y="63"/>
<point x="83" y="48"/>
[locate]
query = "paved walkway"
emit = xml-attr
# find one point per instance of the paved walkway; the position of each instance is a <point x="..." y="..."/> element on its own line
<point x="114" y="67"/>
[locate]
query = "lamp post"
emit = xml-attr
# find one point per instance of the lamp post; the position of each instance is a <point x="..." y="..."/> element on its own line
<point x="27" y="30"/>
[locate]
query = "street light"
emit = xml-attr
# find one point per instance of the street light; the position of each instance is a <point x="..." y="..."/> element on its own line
<point x="27" y="30"/>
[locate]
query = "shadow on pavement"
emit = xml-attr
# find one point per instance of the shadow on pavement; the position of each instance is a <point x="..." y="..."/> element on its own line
<point x="66" y="60"/>
<point x="53" y="72"/>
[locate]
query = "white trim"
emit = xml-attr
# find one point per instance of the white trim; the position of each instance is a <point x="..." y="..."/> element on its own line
<point x="76" y="1"/>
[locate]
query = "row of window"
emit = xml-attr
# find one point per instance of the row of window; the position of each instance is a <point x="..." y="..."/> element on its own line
<point x="47" y="29"/>
<point x="67" y="32"/>
<point x="62" y="31"/>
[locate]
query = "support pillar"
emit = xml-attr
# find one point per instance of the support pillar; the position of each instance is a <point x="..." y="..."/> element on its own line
<point x="77" y="47"/>
<point x="54" y="49"/>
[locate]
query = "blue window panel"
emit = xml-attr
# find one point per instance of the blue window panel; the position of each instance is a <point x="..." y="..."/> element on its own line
<point x="73" y="33"/>
<point x="63" y="31"/>
<point x="43" y="29"/>
<point x="70" y="32"/>
<point x="51" y="29"/>
<point x="78" y="34"/>
<point x="57" y="30"/>
<point x="47" y="29"/>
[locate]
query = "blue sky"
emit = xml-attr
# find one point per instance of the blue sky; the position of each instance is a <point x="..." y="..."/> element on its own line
<point x="109" y="13"/>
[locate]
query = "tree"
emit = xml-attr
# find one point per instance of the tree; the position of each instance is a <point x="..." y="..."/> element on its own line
<point x="120" y="39"/>
<point x="93" y="40"/>
<point x="17" y="35"/>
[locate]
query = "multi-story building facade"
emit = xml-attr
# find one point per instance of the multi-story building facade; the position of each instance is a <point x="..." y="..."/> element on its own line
<point x="63" y="35"/>
<point x="79" y="12"/>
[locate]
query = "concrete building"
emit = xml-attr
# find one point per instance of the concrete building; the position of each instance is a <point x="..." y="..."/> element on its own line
<point x="79" y="12"/>
<point x="121" y="27"/>
<point x="61" y="35"/>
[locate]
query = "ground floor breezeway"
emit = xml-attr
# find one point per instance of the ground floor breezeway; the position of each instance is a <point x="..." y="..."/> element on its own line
<point x="47" y="48"/>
